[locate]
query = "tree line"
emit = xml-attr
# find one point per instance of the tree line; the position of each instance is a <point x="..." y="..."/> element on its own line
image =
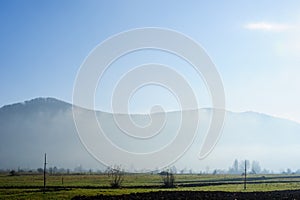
<point x="237" y="167"/>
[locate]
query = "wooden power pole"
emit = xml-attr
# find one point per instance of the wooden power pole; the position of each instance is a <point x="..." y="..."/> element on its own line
<point x="245" y="178"/>
<point x="45" y="168"/>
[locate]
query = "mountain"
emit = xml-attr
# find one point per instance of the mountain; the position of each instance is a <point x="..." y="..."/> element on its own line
<point x="46" y="125"/>
<point x="42" y="125"/>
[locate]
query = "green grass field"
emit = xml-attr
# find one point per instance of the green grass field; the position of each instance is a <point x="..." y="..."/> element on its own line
<point x="29" y="186"/>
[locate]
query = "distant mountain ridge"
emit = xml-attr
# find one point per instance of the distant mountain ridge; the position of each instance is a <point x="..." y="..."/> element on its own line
<point x="54" y="102"/>
<point x="45" y="125"/>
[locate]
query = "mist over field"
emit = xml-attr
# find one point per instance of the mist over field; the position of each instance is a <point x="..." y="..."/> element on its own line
<point x="45" y="125"/>
<point x="149" y="99"/>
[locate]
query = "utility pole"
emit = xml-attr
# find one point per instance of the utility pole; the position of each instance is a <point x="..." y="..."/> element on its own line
<point x="245" y="178"/>
<point x="45" y="168"/>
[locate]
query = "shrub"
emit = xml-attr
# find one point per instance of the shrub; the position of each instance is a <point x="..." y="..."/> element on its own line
<point x="116" y="175"/>
<point x="168" y="179"/>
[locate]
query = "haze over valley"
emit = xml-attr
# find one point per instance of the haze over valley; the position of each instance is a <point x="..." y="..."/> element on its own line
<point x="45" y="125"/>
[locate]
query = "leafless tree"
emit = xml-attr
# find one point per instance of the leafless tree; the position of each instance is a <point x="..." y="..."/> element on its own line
<point x="116" y="175"/>
<point x="168" y="178"/>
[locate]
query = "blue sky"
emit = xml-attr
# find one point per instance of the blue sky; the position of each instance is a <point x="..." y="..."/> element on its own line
<point x="254" y="44"/>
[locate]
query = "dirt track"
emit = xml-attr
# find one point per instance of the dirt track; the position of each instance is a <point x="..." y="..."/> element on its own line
<point x="288" y="194"/>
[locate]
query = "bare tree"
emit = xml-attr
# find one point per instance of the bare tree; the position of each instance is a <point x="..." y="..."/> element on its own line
<point x="116" y="175"/>
<point x="235" y="168"/>
<point x="255" y="167"/>
<point x="168" y="178"/>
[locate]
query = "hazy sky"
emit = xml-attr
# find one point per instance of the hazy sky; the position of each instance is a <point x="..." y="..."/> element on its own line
<point x="254" y="44"/>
